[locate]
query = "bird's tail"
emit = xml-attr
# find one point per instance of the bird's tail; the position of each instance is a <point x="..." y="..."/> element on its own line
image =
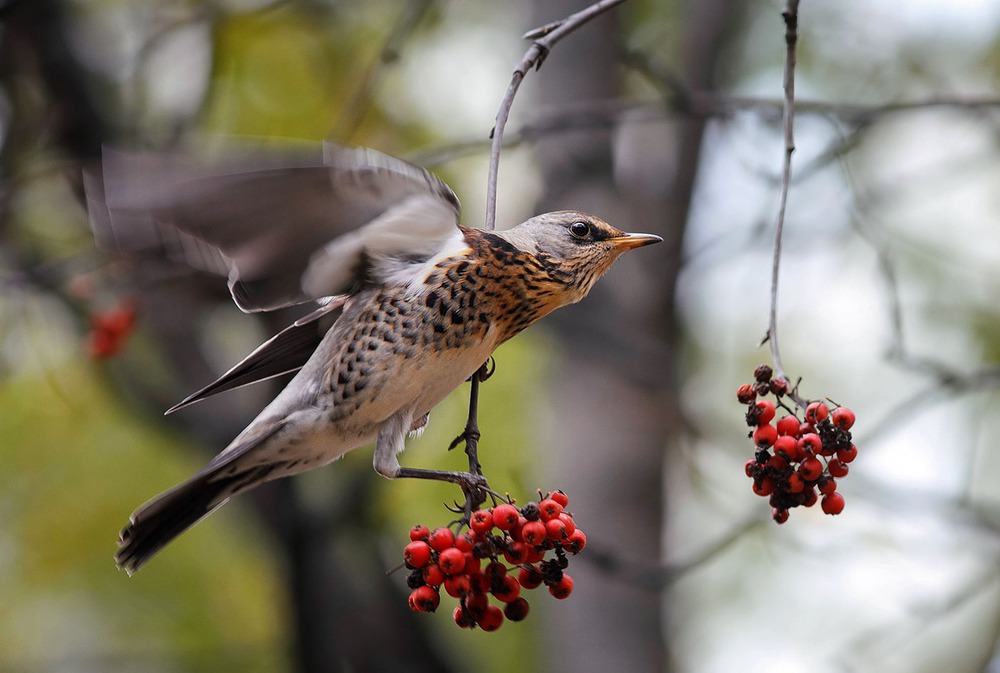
<point x="159" y="521"/>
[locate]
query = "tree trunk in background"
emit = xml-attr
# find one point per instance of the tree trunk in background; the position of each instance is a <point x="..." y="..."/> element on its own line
<point x="614" y="385"/>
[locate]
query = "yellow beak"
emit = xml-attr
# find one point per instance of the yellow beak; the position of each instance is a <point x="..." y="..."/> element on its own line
<point x="630" y="241"/>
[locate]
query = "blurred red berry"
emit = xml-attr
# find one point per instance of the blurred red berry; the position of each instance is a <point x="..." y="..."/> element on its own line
<point x="763" y="487"/>
<point x="419" y="532"/>
<point x="847" y="455"/>
<point x="505" y="516"/>
<point x="517" y="609"/>
<point x="827" y="485"/>
<point x="746" y="394"/>
<point x="843" y="418"/>
<point x="432" y="574"/>
<point x="788" y="425"/>
<point x="463" y="618"/>
<point x="779" y="515"/>
<point x="765" y="411"/>
<point x="529" y="577"/>
<point x="837" y="468"/>
<point x="810" y="443"/>
<point x="417" y="554"/>
<point x="810" y="468"/>
<point x="534" y="533"/>
<point x="506" y="589"/>
<point x="481" y="521"/>
<point x="816" y="412"/>
<point x="563" y="588"/>
<point x="779" y="386"/>
<point x="794" y="483"/>
<point x="576" y="542"/>
<point x="765" y="435"/>
<point x="787" y="446"/>
<point x="442" y="538"/>
<point x="424" y="599"/>
<point x="549" y="509"/>
<point x="491" y="619"/>
<point x="561" y="498"/>
<point x="452" y="561"/>
<point x="833" y="503"/>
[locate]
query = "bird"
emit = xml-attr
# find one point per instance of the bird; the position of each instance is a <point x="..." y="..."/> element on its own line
<point x="403" y="304"/>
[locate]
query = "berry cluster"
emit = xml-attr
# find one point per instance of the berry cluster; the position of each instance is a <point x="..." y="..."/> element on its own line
<point x="796" y="460"/>
<point x="471" y="567"/>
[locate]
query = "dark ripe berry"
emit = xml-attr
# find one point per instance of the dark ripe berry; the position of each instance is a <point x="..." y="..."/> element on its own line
<point x="463" y="618"/>
<point x="816" y="412"/>
<point x="779" y="386"/>
<point x="765" y="435"/>
<point x="576" y="542"/>
<point x="476" y="605"/>
<point x="442" y="538"/>
<point x="452" y="561"/>
<point x="826" y="485"/>
<point x="495" y="571"/>
<point x="847" y="455"/>
<point x="810" y="469"/>
<point x="762" y="388"/>
<point x="810" y="443"/>
<point x="424" y="599"/>
<point x="833" y="503"/>
<point x="481" y="521"/>
<point x="763" y="373"/>
<point x="843" y="418"/>
<point x="549" y="509"/>
<point x="560" y="497"/>
<point x="419" y="532"/>
<point x="779" y="515"/>
<point x="516" y="610"/>
<point x="746" y="394"/>
<point x="506" y="589"/>
<point x="432" y="574"/>
<point x="534" y="533"/>
<point x="415" y="579"/>
<point x="491" y="619"/>
<point x="765" y="411"/>
<point x="417" y="554"/>
<point x="505" y="516"/>
<point x="837" y="468"/>
<point x="530" y="511"/>
<point x="516" y="553"/>
<point x="763" y="486"/>
<point x="810" y="497"/>
<point x="788" y="425"/>
<point x="482" y="549"/>
<point x="529" y="577"/>
<point x="563" y="588"/>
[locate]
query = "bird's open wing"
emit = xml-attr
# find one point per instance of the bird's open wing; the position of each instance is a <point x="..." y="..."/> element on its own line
<point x="265" y="215"/>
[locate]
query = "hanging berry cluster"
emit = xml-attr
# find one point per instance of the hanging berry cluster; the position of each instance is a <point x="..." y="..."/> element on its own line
<point x="471" y="568"/>
<point x="797" y="460"/>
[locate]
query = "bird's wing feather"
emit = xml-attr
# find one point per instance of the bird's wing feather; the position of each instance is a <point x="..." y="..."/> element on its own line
<point x="264" y="213"/>
<point x="285" y="352"/>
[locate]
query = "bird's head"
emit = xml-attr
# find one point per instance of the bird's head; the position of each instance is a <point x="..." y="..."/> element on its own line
<point x="576" y="248"/>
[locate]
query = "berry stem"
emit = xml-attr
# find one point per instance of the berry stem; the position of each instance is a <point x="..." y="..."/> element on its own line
<point x="790" y="15"/>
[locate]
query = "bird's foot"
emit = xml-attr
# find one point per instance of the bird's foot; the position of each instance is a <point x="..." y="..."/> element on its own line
<point x="475" y="486"/>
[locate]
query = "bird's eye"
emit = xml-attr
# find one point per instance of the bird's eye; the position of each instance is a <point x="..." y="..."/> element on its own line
<point x="579" y="229"/>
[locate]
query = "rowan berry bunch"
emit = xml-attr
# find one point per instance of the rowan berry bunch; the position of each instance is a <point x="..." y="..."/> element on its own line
<point x="797" y="460"/>
<point x="505" y="550"/>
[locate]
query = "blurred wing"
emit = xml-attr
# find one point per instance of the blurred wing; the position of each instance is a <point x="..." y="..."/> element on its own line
<point x="285" y="352"/>
<point x="264" y="214"/>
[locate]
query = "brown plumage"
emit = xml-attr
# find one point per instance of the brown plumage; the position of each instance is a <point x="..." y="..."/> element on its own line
<point x="417" y="303"/>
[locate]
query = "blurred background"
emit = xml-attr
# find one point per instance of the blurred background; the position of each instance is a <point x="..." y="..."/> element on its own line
<point x="661" y="117"/>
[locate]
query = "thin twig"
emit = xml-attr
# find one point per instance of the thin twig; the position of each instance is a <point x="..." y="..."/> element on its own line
<point x="791" y="18"/>
<point x="544" y="38"/>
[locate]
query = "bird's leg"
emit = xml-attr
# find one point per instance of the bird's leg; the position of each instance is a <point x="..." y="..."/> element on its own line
<point x="392" y="439"/>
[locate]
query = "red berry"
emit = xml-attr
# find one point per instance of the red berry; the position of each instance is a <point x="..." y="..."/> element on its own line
<point x="794" y="484"/>
<point x="776" y="463"/>
<point x="810" y="497"/>
<point x="432" y="574"/>
<point x="516" y="553"/>
<point x="576" y="542"/>
<point x="481" y="521"/>
<point x="788" y="425"/>
<point x="568" y="520"/>
<point x="550" y="509"/>
<point x="536" y="554"/>
<point x="442" y="538"/>
<point x="827" y="486"/>
<point x="765" y="435"/>
<point x="491" y="619"/>
<point x="463" y="618"/>
<point x="516" y="610"/>
<point x="816" y="412"/>
<point x="452" y="561"/>
<point x="505" y="516"/>
<point x="417" y="554"/>
<point x="506" y="589"/>
<point x="563" y="588"/>
<point x="476" y="605"/>
<point x="419" y="532"/>
<point x="751" y="467"/>
<point x="780" y="515"/>
<point x="534" y="533"/>
<point x="457" y="586"/>
<point x="746" y="394"/>
<point x="763" y="487"/>
<point x="424" y="599"/>
<point x="833" y="503"/>
<point x="465" y="542"/>
<point x="763" y="373"/>
<point x="472" y="563"/>
<point x="495" y="570"/>
<point x="765" y="411"/>
<point x="787" y="446"/>
<point x="779" y="386"/>
<point x="555" y="529"/>
<point x="810" y="469"/>
<point x="561" y="498"/>
<point x="810" y="443"/>
<point x="837" y="468"/>
<point x="529" y="577"/>
<point x="806" y="428"/>
<point x="847" y="455"/>
<point x="843" y="418"/>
